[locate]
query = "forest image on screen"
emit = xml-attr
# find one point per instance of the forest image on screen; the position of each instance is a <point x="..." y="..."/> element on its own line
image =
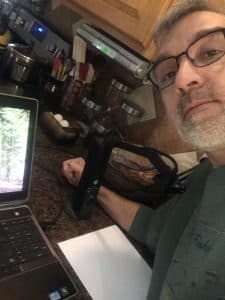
<point x="14" y="124"/>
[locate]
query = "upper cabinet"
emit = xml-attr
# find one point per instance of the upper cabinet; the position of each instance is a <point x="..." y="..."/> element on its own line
<point x="129" y="21"/>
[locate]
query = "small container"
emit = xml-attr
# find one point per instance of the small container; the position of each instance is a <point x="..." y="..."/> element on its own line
<point x="116" y="92"/>
<point x="90" y="105"/>
<point x="53" y="91"/>
<point x="113" y="116"/>
<point x="19" y="62"/>
<point x="132" y="109"/>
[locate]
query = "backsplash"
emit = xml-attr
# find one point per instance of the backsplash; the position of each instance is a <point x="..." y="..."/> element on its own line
<point x="158" y="133"/>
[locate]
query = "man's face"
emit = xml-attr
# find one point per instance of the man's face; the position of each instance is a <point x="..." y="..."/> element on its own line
<point x="195" y="102"/>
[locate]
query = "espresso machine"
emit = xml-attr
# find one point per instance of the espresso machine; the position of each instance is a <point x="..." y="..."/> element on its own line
<point x="31" y="52"/>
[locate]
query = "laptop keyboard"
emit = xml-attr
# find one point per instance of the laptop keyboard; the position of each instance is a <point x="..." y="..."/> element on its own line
<point x="20" y="243"/>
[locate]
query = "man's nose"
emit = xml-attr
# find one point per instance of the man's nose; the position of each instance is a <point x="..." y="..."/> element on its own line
<point x="188" y="76"/>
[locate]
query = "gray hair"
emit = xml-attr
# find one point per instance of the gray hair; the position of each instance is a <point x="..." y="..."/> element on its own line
<point x="182" y="9"/>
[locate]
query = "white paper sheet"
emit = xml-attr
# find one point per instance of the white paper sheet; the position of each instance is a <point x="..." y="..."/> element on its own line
<point x="108" y="265"/>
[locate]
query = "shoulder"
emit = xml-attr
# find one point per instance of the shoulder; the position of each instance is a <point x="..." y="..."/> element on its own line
<point x="200" y="172"/>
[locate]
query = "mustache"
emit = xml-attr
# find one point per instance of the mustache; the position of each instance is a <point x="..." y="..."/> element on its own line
<point x="198" y="95"/>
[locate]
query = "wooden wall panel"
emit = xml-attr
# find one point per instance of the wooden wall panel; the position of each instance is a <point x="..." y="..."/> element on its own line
<point x="61" y="19"/>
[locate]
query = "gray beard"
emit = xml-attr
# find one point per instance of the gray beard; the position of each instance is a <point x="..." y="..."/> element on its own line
<point x="208" y="135"/>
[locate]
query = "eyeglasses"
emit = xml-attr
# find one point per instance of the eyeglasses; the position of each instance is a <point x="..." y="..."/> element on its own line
<point x="202" y="52"/>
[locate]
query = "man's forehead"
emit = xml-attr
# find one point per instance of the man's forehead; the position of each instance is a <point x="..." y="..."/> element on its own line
<point x="187" y="30"/>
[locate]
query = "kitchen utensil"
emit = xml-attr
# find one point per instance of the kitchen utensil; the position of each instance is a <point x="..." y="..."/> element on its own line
<point x="79" y="49"/>
<point x="57" y="66"/>
<point x="83" y="71"/>
<point x="67" y="66"/>
<point x="77" y="71"/>
<point x="90" y="74"/>
<point x="62" y="66"/>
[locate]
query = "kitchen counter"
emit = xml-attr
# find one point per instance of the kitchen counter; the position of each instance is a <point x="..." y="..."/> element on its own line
<point x="51" y="195"/>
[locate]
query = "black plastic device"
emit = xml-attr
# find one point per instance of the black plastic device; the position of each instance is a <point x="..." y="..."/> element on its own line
<point x="85" y="194"/>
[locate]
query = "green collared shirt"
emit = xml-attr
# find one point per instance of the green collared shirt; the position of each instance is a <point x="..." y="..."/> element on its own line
<point x="187" y="236"/>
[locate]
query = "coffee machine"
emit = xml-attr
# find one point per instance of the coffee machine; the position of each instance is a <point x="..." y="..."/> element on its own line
<point x="31" y="52"/>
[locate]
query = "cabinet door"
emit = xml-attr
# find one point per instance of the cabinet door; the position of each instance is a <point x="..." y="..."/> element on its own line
<point x="130" y="21"/>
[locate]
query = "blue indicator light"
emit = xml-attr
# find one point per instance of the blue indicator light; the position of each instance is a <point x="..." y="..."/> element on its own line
<point x="40" y="29"/>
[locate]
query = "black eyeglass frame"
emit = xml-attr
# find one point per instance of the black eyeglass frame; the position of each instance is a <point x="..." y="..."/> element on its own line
<point x="186" y="54"/>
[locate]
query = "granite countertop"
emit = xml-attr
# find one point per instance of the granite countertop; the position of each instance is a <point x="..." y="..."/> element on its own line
<point x="51" y="195"/>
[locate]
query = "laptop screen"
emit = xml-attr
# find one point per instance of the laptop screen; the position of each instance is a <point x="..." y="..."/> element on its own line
<point x="17" y="132"/>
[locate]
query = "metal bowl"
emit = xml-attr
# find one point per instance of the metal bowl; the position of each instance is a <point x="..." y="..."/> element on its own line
<point x="20" y="61"/>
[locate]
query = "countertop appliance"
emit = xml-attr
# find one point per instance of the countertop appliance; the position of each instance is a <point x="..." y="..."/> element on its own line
<point x="32" y="31"/>
<point x="109" y="47"/>
<point x="91" y="179"/>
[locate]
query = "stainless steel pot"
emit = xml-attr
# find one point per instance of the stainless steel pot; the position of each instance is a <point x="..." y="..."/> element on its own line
<point x="19" y="62"/>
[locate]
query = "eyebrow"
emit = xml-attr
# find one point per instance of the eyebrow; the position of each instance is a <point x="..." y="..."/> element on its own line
<point x="197" y="35"/>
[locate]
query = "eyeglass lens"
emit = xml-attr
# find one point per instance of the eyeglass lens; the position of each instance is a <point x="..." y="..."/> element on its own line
<point x="203" y="52"/>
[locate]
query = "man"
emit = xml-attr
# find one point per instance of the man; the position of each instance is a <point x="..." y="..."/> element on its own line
<point x="188" y="232"/>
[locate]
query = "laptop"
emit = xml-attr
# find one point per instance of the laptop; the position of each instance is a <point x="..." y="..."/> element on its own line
<point x="29" y="267"/>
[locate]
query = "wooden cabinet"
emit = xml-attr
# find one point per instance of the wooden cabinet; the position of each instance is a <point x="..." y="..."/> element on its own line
<point x="130" y="21"/>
